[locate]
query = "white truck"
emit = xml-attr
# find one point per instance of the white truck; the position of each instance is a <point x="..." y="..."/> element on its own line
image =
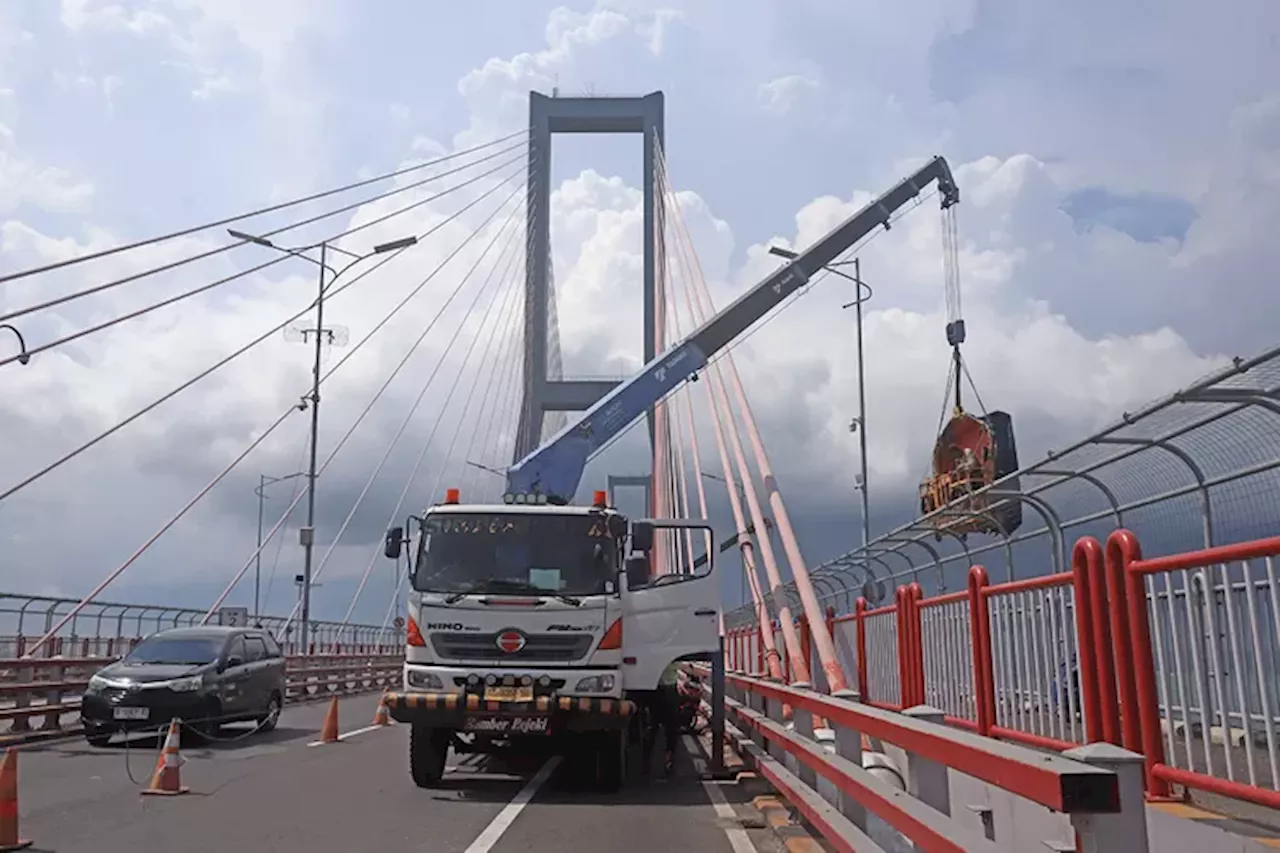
<point x="534" y="618"/>
<point x="528" y="622"/>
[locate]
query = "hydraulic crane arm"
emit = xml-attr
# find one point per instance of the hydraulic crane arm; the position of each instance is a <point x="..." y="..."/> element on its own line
<point x="555" y="469"/>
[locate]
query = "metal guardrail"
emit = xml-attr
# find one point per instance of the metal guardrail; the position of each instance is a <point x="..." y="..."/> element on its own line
<point x="108" y="627"/>
<point x="49" y="689"/>
<point x="1091" y="798"/>
<point x="1188" y="680"/>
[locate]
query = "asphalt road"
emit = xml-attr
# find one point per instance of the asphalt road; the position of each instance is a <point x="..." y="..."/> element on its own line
<point x="276" y="793"/>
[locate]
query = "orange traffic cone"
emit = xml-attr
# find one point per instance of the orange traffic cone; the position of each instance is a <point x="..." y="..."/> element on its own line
<point x="165" y="779"/>
<point x="381" y="717"/>
<point x="9" y="803"/>
<point x="329" y="734"/>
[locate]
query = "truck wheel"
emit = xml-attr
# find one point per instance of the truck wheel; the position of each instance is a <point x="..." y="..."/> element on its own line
<point x="428" y="749"/>
<point x="611" y="761"/>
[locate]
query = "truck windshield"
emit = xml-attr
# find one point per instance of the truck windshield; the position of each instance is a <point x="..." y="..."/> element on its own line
<point x="527" y="553"/>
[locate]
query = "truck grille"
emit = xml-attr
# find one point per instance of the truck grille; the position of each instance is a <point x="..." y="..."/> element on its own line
<point x="562" y="648"/>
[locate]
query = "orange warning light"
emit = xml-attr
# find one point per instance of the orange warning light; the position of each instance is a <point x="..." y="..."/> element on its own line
<point x="451" y="496"/>
<point x="600" y="499"/>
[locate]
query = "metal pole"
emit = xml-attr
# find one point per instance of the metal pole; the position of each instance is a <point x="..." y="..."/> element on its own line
<point x="717" y="710"/>
<point x="308" y="534"/>
<point x="862" y="407"/>
<point x="257" y="568"/>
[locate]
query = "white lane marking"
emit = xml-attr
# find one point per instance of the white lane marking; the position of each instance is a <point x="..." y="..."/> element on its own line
<point x="738" y="838"/>
<point x="351" y="733"/>
<point x="485" y="840"/>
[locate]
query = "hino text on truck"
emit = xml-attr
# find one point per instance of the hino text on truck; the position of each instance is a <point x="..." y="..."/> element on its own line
<point x="537" y="619"/>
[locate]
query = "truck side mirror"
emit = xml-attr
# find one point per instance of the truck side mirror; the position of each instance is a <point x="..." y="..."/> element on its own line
<point x="637" y="572"/>
<point x="394" y="542"/>
<point x="641" y="536"/>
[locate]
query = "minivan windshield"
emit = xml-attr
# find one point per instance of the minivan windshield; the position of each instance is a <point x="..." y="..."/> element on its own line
<point x="191" y="651"/>
<point x="552" y="553"/>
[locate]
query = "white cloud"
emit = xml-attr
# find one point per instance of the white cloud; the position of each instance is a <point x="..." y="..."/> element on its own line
<point x="1068" y="325"/>
<point x="780" y="94"/>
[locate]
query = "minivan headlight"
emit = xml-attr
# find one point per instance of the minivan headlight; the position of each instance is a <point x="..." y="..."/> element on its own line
<point x="97" y="684"/>
<point x="186" y="685"/>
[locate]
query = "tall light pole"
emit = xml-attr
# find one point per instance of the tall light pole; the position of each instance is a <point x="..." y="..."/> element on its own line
<point x="263" y="482"/>
<point x="307" y="534"/>
<point x="23" y="355"/>
<point x="859" y="423"/>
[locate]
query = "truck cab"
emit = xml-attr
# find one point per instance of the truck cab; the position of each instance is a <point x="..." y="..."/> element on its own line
<point x="531" y="621"/>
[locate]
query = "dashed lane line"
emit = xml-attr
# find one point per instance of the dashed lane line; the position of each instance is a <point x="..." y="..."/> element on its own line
<point x="489" y="836"/>
<point x="352" y="733"/>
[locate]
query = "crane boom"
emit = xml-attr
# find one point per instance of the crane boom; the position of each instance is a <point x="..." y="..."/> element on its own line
<point x="554" y="470"/>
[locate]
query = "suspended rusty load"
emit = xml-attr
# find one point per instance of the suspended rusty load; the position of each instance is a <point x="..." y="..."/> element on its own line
<point x="971" y="452"/>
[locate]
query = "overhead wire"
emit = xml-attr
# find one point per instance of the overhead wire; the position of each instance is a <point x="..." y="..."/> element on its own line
<point x="115" y="573"/>
<point x="513" y="362"/>
<point x="440" y="362"/>
<point x="391" y="444"/>
<point x="209" y="371"/>
<point x="150" y="241"/>
<point x="295" y="486"/>
<point x="374" y="399"/>
<point x="195" y="291"/>
<point x="509" y="303"/>
<point x="502" y="364"/>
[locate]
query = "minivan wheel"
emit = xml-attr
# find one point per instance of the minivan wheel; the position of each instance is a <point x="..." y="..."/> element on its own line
<point x="267" y="722"/>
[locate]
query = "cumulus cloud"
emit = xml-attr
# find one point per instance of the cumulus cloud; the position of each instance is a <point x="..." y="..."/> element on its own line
<point x="1070" y="321"/>
<point x="781" y="94"/>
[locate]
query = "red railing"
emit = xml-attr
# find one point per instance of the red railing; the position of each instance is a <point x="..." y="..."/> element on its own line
<point x="1060" y="660"/>
<point x="1136" y="661"/>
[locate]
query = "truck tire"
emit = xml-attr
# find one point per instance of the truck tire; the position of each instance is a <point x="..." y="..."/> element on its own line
<point x="428" y="749"/>
<point x="611" y="761"/>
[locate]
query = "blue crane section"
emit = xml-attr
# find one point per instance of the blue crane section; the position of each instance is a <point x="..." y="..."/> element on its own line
<point x="552" y="472"/>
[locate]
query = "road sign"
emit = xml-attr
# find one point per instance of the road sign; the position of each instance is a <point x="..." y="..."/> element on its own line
<point x="234" y="617"/>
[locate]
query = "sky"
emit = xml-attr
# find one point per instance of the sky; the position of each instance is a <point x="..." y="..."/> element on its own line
<point x="1118" y="165"/>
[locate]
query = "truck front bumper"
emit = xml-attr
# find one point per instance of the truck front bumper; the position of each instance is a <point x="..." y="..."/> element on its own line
<point x="468" y="713"/>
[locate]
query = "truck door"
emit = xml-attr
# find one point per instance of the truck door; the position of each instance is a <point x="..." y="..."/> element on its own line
<point x="671" y="617"/>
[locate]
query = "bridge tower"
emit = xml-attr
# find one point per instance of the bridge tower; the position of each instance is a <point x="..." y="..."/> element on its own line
<point x="544" y="390"/>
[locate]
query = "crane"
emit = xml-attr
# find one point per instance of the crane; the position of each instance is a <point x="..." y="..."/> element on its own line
<point x="551" y="473"/>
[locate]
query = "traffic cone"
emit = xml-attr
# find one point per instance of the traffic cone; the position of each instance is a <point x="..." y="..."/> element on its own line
<point x="165" y="779"/>
<point x="381" y="717"/>
<point x="9" y="803"/>
<point x="329" y="734"/>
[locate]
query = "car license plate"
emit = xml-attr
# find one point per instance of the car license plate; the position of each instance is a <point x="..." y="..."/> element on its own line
<point x="495" y="725"/>
<point x="508" y="694"/>
<point x="131" y="713"/>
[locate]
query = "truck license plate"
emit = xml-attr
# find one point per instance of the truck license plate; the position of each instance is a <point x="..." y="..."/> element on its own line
<point x="507" y="725"/>
<point x="131" y="713"/>
<point x="508" y="694"/>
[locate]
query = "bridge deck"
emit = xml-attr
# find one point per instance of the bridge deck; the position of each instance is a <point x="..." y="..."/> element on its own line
<point x="272" y="793"/>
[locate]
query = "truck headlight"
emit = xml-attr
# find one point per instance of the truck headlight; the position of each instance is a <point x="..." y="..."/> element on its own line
<point x="423" y="680"/>
<point x="186" y="685"/>
<point x="594" y="684"/>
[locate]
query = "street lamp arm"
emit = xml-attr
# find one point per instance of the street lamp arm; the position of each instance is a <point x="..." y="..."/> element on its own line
<point x="267" y="481"/>
<point x="23" y="355"/>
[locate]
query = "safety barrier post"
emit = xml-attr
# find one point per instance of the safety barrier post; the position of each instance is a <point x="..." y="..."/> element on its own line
<point x="927" y="780"/>
<point x="1127" y="687"/>
<point x="804" y="728"/>
<point x="1125" y="830"/>
<point x="1123" y="547"/>
<point x="984" y="686"/>
<point x="849" y="747"/>
<point x="860" y="622"/>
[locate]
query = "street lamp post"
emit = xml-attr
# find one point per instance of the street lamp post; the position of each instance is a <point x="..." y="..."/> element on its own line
<point x="263" y="482"/>
<point x="307" y="534"/>
<point x="859" y="423"/>
<point x="23" y="355"/>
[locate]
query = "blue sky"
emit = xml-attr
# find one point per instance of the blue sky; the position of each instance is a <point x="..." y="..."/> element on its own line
<point x="1118" y="210"/>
